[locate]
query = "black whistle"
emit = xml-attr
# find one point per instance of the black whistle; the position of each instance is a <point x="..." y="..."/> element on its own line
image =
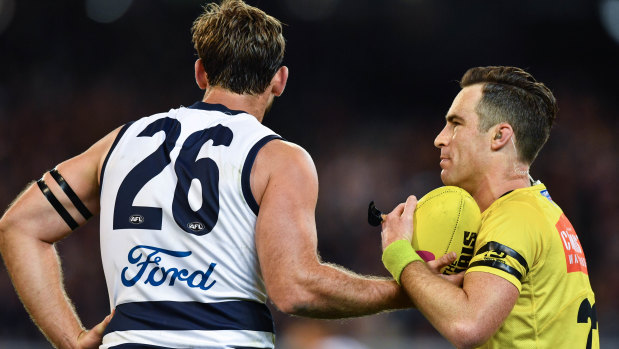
<point x="374" y="215"/>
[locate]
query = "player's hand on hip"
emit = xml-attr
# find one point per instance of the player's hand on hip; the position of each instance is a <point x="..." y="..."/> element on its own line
<point x="91" y="339"/>
<point x="398" y="224"/>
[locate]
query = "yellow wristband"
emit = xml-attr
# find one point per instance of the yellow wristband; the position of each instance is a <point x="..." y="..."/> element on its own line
<point x="397" y="256"/>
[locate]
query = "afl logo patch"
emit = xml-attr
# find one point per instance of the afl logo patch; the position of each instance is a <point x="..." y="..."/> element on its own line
<point x="195" y="226"/>
<point x="136" y="219"/>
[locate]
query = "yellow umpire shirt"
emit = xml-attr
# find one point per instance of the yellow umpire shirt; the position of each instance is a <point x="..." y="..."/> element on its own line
<point x="526" y="239"/>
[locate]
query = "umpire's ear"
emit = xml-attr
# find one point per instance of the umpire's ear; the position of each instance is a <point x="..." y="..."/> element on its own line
<point x="278" y="83"/>
<point x="201" y="77"/>
<point x="500" y="136"/>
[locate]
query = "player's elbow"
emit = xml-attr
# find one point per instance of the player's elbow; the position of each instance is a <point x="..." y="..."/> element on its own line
<point x="280" y="299"/>
<point x="291" y="300"/>
<point x="294" y="292"/>
<point x="467" y="334"/>
<point x="287" y="305"/>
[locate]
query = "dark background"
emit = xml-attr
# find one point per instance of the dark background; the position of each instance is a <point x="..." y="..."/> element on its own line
<point x="370" y="82"/>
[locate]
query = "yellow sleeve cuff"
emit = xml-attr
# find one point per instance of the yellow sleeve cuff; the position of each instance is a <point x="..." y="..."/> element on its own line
<point x="397" y="256"/>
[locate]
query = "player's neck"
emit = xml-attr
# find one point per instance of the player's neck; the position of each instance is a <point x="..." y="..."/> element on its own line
<point x="251" y="104"/>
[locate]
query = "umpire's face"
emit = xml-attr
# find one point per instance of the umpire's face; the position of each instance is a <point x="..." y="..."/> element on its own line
<point x="465" y="151"/>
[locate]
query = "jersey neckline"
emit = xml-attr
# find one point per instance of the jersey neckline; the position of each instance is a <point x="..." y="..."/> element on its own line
<point x="215" y="107"/>
<point x="510" y="194"/>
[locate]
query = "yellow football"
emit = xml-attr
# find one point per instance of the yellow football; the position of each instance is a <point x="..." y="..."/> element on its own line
<point x="446" y="219"/>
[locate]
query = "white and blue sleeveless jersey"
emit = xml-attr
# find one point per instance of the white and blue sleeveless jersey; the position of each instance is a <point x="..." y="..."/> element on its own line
<point x="177" y="232"/>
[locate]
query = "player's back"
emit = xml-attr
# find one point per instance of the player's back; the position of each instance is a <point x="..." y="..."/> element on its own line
<point x="177" y="231"/>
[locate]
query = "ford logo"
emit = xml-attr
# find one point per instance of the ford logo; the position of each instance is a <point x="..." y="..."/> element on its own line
<point x="136" y="219"/>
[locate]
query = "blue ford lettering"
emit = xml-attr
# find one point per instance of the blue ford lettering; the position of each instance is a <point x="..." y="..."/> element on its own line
<point x="158" y="274"/>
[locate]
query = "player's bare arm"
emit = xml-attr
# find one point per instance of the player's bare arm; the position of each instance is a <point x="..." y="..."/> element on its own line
<point x="28" y="231"/>
<point x="466" y="316"/>
<point x="296" y="279"/>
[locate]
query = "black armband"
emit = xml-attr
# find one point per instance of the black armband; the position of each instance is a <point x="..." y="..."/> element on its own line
<point x="56" y="204"/>
<point x="83" y="210"/>
<point x="71" y="194"/>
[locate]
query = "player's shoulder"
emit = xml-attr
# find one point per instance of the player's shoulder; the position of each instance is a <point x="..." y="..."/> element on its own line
<point x="284" y="167"/>
<point x="286" y="158"/>
<point x="282" y="150"/>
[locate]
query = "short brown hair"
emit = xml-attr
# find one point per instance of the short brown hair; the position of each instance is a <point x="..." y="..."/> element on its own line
<point x="241" y="47"/>
<point x="512" y="95"/>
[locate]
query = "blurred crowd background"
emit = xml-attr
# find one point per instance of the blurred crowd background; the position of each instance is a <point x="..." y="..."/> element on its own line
<point x="370" y="82"/>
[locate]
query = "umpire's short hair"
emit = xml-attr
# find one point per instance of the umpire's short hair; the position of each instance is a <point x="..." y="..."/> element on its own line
<point x="241" y="47"/>
<point x="512" y="95"/>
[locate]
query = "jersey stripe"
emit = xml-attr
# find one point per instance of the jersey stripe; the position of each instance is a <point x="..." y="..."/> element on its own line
<point x="494" y="246"/>
<point x="138" y="346"/>
<point x="249" y="162"/>
<point x="189" y="339"/>
<point x="169" y="315"/>
<point x="498" y="265"/>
